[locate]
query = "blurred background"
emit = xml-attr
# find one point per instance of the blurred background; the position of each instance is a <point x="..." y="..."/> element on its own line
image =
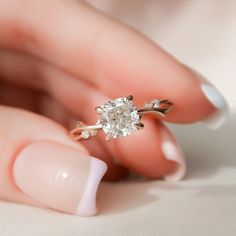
<point x="201" y="34"/>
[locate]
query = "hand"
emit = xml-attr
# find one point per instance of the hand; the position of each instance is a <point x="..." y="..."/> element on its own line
<point x="61" y="59"/>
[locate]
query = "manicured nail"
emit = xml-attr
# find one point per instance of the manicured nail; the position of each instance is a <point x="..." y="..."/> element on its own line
<point x="217" y="119"/>
<point x="173" y="152"/>
<point x="59" y="177"/>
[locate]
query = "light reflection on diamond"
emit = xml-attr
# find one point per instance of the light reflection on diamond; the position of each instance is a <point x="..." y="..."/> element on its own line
<point x="119" y="117"/>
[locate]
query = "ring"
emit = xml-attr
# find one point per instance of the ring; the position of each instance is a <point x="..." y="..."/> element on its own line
<point x="119" y="118"/>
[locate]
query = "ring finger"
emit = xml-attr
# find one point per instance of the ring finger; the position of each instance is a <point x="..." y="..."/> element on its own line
<point x="147" y="158"/>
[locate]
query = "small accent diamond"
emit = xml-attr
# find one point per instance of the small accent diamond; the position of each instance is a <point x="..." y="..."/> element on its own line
<point x="85" y="134"/>
<point x="155" y="103"/>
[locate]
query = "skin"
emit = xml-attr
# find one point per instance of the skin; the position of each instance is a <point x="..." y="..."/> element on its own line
<point x="69" y="58"/>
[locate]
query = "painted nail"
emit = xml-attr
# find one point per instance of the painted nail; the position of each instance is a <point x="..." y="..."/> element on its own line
<point x="217" y="119"/>
<point x="173" y="152"/>
<point x="59" y="177"/>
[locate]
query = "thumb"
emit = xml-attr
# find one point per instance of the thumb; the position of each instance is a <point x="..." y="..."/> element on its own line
<point x="41" y="166"/>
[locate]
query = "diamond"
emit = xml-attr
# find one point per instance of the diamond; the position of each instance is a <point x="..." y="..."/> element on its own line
<point x="119" y="117"/>
<point x="155" y="103"/>
<point x="85" y="134"/>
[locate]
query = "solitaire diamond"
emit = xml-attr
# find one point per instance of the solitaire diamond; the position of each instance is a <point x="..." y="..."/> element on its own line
<point x="119" y="117"/>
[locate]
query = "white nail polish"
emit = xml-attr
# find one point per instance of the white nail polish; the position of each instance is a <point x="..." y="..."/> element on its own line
<point x="87" y="204"/>
<point x="217" y="119"/>
<point x="173" y="152"/>
<point x="214" y="96"/>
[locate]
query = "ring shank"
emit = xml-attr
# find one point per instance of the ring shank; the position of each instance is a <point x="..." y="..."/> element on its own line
<point x="82" y="131"/>
<point x="163" y="107"/>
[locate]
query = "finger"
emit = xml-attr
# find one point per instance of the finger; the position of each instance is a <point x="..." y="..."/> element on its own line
<point x="96" y="147"/>
<point x="148" y="139"/>
<point x="111" y="56"/>
<point x="41" y="166"/>
<point x="62" y="107"/>
<point x="73" y="94"/>
<point x="154" y="153"/>
<point x="17" y="96"/>
<point x="67" y="89"/>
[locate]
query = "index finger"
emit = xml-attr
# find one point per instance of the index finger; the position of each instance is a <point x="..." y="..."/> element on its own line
<point x="111" y="56"/>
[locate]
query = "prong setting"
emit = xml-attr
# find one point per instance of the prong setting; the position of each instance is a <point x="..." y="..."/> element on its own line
<point x="130" y="97"/>
<point x="109" y="137"/>
<point x="99" y="110"/>
<point x="139" y="126"/>
<point x="119" y="118"/>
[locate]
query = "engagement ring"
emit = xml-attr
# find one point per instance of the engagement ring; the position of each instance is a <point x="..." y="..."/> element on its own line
<point x="119" y="118"/>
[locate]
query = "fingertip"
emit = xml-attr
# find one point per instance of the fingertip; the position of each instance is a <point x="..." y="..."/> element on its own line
<point x="87" y="205"/>
<point x="218" y="118"/>
<point x="216" y="113"/>
<point x="59" y="177"/>
<point x="172" y="151"/>
<point x="151" y="152"/>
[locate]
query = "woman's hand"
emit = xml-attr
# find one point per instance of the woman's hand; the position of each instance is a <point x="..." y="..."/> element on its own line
<point x="61" y="59"/>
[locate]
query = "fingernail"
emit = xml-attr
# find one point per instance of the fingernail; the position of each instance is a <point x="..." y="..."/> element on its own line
<point x="217" y="119"/>
<point x="173" y="152"/>
<point x="59" y="177"/>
